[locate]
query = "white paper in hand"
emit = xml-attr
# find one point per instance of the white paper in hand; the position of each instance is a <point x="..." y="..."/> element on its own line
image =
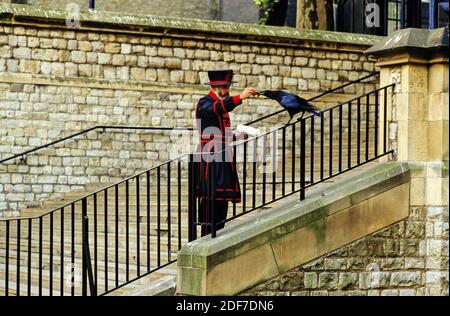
<point x="248" y="130"/>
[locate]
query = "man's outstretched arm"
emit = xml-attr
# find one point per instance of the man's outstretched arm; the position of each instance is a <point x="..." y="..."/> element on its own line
<point x="228" y="104"/>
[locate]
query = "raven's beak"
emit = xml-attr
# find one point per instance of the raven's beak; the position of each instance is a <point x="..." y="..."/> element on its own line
<point x="257" y="94"/>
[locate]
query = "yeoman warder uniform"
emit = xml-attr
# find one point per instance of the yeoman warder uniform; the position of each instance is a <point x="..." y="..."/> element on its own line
<point x="213" y="125"/>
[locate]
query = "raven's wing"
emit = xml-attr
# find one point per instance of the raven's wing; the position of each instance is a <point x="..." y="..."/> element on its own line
<point x="290" y="101"/>
<point x="297" y="104"/>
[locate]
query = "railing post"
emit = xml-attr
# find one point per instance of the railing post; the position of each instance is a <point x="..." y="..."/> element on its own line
<point x="85" y="227"/>
<point x="192" y="231"/>
<point x="7" y="261"/>
<point x="86" y="257"/>
<point x="302" y="159"/>
<point x="212" y="187"/>
<point x="377" y="108"/>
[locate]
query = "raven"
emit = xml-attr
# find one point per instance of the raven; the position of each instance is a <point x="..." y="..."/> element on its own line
<point x="291" y="102"/>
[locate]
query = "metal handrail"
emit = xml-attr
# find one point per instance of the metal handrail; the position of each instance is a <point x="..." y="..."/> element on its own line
<point x="358" y="97"/>
<point x="85" y="131"/>
<point x="318" y="96"/>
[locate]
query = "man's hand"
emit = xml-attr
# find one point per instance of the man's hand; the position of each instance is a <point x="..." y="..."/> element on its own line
<point x="249" y="92"/>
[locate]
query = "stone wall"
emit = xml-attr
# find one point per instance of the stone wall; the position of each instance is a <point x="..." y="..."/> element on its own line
<point x="239" y="11"/>
<point x="229" y="10"/>
<point x="57" y="81"/>
<point x="412" y="256"/>
<point x="402" y="259"/>
<point x="264" y="250"/>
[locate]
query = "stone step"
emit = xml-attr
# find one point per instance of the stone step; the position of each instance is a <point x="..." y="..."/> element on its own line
<point x="122" y="223"/>
<point x="163" y="243"/>
<point x="122" y="216"/>
<point x="111" y="259"/>
<point x="111" y="226"/>
<point x="100" y="248"/>
<point x="52" y="205"/>
<point x="100" y="236"/>
<point x="56" y="260"/>
<point x="34" y="280"/>
<point x="149" y="285"/>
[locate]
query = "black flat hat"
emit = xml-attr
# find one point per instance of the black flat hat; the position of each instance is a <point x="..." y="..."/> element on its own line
<point x="220" y="77"/>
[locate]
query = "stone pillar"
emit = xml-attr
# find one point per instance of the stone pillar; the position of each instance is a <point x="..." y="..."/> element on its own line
<point x="417" y="60"/>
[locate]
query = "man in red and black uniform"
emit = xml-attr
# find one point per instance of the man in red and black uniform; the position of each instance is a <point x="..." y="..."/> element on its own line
<point x="213" y="125"/>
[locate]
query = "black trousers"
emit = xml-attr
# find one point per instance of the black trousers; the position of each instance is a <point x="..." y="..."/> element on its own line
<point x="205" y="214"/>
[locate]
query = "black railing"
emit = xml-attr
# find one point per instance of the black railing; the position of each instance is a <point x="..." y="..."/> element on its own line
<point x="131" y="209"/>
<point x="341" y="87"/>
<point x="319" y="148"/>
<point x="113" y="236"/>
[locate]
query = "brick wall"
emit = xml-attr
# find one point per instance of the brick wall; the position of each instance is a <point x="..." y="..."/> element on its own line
<point x="157" y="59"/>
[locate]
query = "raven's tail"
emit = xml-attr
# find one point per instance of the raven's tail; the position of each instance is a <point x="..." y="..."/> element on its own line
<point x="314" y="110"/>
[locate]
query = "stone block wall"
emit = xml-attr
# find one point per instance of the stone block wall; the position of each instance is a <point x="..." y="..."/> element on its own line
<point x="156" y="59"/>
<point x="411" y="256"/>
<point x="230" y="10"/>
<point x="401" y="260"/>
<point x="57" y="81"/>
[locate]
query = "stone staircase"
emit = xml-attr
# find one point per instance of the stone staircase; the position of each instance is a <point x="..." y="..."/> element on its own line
<point x="149" y="234"/>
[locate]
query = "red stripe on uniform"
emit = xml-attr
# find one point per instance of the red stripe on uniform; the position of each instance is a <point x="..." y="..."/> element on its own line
<point x="237" y="100"/>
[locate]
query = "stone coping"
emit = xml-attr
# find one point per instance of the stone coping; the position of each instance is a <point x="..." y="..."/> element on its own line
<point x="16" y="13"/>
<point x="411" y="38"/>
<point x="207" y="252"/>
